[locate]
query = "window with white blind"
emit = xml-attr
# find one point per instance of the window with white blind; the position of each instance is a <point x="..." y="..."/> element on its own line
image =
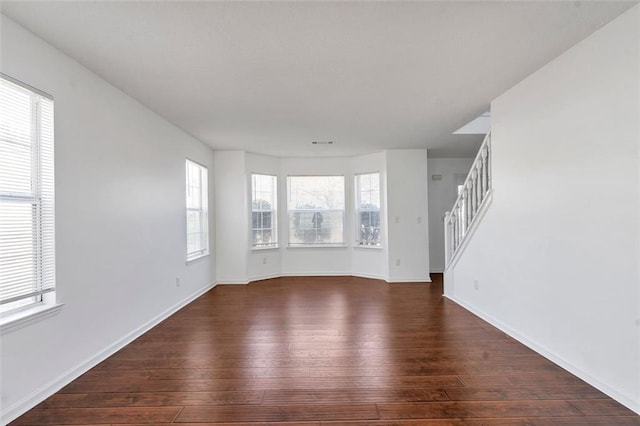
<point x="27" y="248"/>
<point x="368" y="210"/>
<point x="263" y="211"/>
<point x="316" y="210"/>
<point x="197" y="211"/>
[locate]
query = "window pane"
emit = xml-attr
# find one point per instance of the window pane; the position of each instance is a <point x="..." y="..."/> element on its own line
<point x="196" y="213"/>
<point x="192" y="243"/>
<point x="17" y="249"/>
<point x="316" y="192"/>
<point x="15" y="140"/>
<point x="316" y="227"/>
<point x="365" y="182"/>
<point x="193" y="222"/>
<point x="27" y="245"/>
<point x="262" y="236"/>
<point x="263" y="206"/>
<point x="316" y="210"/>
<point x="375" y="199"/>
<point x="15" y="106"/>
<point x="15" y="168"/>
<point x="365" y="200"/>
<point x="369" y="231"/>
<point x="368" y="209"/>
<point x="194" y="174"/>
<point x="266" y="220"/>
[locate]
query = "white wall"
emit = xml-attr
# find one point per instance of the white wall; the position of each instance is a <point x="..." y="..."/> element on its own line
<point x="408" y="216"/>
<point x="120" y="223"/>
<point x="231" y="217"/>
<point x="556" y="256"/>
<point x="442" y="195"/>
<point x="239" y="264"/>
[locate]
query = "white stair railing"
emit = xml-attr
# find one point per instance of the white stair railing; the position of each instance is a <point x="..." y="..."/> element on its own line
<point x="471" y="198"/>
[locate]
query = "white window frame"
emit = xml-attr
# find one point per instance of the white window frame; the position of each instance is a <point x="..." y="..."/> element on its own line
<point x="36" y="297"/>
<point x="291" y="211"/>
<point x="358" y="196"/>
<point x="273" y="210"/>
<point x="201" y="211"/>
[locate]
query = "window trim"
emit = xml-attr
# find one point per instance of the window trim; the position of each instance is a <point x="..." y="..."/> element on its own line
<point x="25" y="316"/>
<point x="343" y="210"/>
<point x="44" y="299"/>
<point x="356" y="192"/>
<point x="204" y="213"/>
<point x="274" y="213"/>
<point x="26" y="86"/>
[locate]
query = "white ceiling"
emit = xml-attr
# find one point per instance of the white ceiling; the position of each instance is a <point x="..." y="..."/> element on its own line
<point x="271" y="77"/>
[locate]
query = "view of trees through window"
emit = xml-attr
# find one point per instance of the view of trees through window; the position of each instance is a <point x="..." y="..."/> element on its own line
<point x="263" y="210"/>
<point x="316" y="210"/>
<point x="368" y="209"/>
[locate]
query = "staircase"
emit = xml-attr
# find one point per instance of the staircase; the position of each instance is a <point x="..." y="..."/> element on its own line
<point x="472" y="199"/>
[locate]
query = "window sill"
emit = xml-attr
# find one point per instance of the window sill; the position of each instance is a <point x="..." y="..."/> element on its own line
<point x="27" y="316"/>
<point x="364" y="247"/>
<point x="197" y="259"/>
<point x="276" y="247"/>
<point x="315" y="246"/>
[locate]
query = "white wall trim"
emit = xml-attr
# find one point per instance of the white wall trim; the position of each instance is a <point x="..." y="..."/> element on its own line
<point x="28" y="316"/>
<point x="12" y="412"/>
<point x="625" y="400"/>
<point x="369" y="276"/>
<point x="410" y="280"/>
<point x="337" y="274"/>
<point x="264" y="277"/>
<point x="316" y="274"/>
<point x="222" y="281"/>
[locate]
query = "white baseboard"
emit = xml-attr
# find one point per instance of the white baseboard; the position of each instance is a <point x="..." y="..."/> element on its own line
<point x="13" y="411"/>
<point x="370" y="276"/>
<point x="232" y="282"/>
<point x="339" y="274"/>
<point x="264" y="277"/>
<point x="316" y="274"/>
<point x="545" y="352"/>
<point x="409" y="280"/>
<point x="331" y="274"/>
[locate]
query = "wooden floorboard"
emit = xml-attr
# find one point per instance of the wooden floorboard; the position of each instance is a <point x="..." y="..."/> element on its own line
<point x="327" y="351"/>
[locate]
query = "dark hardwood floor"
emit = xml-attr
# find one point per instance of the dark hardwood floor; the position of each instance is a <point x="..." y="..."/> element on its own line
<point x="324" y="351"/>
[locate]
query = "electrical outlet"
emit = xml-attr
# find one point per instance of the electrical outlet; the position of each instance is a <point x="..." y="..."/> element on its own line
<point x="177" y="281"/>
<point x="476" y="285"/>
<point x="264" y="260"/>
<point x="397" y="262"/>
<point x="419" y="220"/>
<point x="397" y="219"/>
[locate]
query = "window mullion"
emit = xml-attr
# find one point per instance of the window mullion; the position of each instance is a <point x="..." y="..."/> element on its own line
<point x="36" y="187"/>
